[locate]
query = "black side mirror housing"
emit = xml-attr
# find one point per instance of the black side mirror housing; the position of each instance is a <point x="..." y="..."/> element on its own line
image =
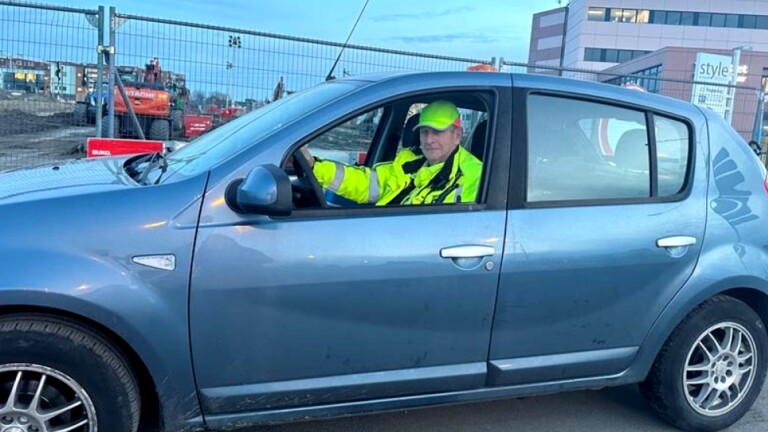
<point x="266" y="190"/>
<point x="755" y="146"/>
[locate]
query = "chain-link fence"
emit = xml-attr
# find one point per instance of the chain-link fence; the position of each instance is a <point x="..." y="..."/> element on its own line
<point x="46" y="54"/>
<point x="745" y="112"/>
<point x="186" y="78"/>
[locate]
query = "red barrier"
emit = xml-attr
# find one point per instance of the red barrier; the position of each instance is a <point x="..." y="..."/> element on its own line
<point x="100" y="147"/>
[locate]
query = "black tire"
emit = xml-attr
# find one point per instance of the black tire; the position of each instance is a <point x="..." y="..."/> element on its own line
<point x="159" y="129"/>
<point x="664" y="388"/>
<point x="80" y="115"/>
<point x="68" y="355"/>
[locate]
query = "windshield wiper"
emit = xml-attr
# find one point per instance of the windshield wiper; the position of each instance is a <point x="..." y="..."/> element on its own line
<point x="156" y="160"/>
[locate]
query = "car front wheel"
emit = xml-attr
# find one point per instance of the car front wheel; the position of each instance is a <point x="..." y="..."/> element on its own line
<point x="58" y="376"/>
<point x="712" y="368"/>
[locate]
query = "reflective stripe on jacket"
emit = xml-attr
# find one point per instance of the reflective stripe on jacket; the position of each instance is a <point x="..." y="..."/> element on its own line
<point x="386" y="181"/>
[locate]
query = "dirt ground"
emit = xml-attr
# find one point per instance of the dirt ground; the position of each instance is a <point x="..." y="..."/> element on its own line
<point x="36" y="129"/>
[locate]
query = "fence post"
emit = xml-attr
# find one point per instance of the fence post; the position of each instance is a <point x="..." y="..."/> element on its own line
<point x="757" y="130"/>
<point x="112" y="71"/>
<point x="99" y="86"/>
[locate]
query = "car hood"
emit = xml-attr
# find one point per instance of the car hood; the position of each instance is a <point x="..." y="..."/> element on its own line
<point x="64" y="179"/>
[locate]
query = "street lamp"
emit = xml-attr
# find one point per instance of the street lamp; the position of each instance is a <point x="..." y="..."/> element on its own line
<point x="234" y="42"/>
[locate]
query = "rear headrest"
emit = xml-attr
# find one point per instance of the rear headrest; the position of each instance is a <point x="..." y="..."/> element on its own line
<point x="632" y="150"/>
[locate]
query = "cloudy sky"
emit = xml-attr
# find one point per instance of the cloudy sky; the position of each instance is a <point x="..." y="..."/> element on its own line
<point x="481" y="29"/>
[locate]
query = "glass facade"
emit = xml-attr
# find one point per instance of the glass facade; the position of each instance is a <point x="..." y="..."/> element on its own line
<point x="643" y="78"/>
<point x="701" y="19"/>
<point x="610" y="55"/>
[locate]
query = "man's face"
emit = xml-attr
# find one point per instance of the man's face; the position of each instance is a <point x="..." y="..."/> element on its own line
<point x="438" y="145"/>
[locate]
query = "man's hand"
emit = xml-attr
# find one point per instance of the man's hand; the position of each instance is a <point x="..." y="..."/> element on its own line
<point x="308" y="156"/>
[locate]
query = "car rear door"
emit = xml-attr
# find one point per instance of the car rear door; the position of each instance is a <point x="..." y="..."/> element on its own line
<point x="605" y="225"/>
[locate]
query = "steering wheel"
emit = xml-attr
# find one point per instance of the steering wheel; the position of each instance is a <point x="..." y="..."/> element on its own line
<point x="304" y="172"/>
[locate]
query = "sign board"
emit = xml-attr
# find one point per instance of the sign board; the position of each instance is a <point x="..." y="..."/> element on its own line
<point x="716" y="69"/>
<point x="100" y="147"/>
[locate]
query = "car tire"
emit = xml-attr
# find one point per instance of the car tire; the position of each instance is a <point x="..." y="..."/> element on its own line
<point x="159" y="129"/>
<point x="76" y="366"/>
<point x="711" y="369"/>
<point x="80" y="115"/>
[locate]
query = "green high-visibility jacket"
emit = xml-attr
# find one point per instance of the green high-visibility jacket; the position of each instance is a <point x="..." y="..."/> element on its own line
<point x="406" y="180"/>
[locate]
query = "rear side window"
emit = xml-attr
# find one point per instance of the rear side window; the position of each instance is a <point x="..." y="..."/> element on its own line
<point x="672" y="146"/>
<point x="587" y="151"/>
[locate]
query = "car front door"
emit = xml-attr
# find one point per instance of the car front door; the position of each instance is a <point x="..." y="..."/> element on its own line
<point x="336" y="305"/>
<point x="604" y="228"/>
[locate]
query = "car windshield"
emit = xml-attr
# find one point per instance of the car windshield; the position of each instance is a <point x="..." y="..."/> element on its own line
<point x="223" y="143"/>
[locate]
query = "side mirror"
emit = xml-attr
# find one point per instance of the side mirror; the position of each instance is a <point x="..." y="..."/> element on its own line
<point x="266" y="190"/>
<point x="755" y="146"/>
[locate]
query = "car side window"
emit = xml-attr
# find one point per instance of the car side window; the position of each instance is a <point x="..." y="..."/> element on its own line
<point x="672" y="149"/>
<point x="584" y="151"/>
<point x="349" y="142"/>
<point x="375" y="159"/>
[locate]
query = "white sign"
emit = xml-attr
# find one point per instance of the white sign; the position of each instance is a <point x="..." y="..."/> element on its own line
<point x="715" y="69"/>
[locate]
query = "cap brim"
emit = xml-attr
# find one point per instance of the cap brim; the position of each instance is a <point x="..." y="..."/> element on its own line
<point x="432" y="126"/>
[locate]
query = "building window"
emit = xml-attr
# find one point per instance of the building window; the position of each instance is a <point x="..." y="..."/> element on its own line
<point x="596" y="14"/>
<point x="610" y="55"/>
<point x="718" y="20"/>
<point x="592" y="54"/>
<point x="646" y="78"/>
<point x="673" y="18"/>
<point x="762" y="22"/>
<point x="687" y="18"/>
<point x="700" y="19"/>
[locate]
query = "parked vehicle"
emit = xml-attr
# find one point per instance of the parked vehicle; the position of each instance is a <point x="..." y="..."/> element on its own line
<point x="218" y="287"/>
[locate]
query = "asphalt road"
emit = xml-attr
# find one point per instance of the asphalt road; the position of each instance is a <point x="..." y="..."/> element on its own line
<point x="608" y="410"/>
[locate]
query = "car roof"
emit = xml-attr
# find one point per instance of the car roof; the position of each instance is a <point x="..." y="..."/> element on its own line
<point x="545" y="83"/>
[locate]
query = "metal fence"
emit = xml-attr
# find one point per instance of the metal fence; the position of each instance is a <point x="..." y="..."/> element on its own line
<point x="746" y="108"/>
<point x="42" y="53"/>
<point x="53" y="61"/>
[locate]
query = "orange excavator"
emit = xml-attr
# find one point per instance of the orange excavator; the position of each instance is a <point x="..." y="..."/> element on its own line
<point x="151" y="102"/>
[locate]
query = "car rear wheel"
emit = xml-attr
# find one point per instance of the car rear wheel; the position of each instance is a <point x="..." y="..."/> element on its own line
<point x="58" y="376"/>
<point x="712" y="368"/>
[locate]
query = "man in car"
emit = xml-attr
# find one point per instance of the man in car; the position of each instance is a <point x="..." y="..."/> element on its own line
<point x="440" y="170"/>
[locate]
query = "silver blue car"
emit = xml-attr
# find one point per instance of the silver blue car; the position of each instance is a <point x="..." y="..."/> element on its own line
<point x="618" y="237"/>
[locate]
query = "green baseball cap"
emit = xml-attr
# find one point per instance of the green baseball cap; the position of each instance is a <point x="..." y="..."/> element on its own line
<point x="439" y="115"/>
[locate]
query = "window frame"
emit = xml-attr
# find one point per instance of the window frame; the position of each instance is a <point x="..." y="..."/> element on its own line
<point x="493" y="189"/>
<point x="519" y="183"/>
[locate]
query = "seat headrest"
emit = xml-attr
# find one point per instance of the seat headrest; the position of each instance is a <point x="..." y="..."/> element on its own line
<point x="632" y="150"/>
<point x="477" y="143"/>
<point x="410" y="138"/>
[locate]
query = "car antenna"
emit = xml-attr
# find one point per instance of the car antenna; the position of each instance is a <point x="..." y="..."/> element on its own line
<point x="330" y="76"/>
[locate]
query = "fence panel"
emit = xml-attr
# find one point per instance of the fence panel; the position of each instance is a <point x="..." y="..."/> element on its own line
<point x="47" y="62"/>
<point x="747" y="111"/>
<point x="224" y="72"/>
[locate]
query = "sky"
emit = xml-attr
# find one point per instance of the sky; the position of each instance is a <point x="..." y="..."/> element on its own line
<point x="478" y="30"/>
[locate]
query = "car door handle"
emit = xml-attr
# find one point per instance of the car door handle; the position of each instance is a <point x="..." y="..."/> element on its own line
<point x="676" y="241"/>
<point x="467" y="252"/>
